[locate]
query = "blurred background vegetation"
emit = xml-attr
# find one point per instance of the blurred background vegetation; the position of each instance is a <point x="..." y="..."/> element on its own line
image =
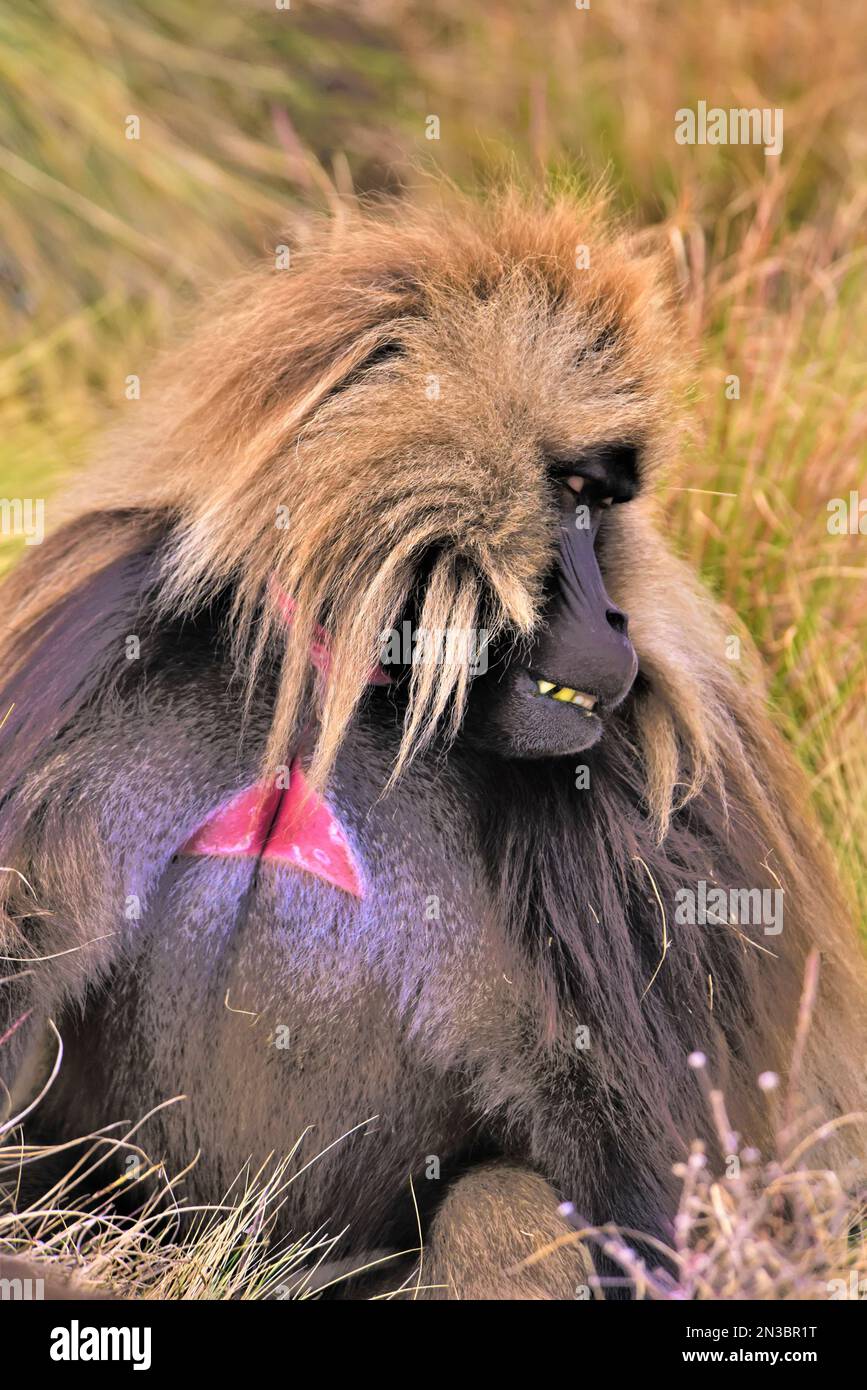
<point x="251" y="114"/>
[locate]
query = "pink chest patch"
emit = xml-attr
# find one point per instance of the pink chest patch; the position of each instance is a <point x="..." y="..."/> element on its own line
<point x="294" y="826"/>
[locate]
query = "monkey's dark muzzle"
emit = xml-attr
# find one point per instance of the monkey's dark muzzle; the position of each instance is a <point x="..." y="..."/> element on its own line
<point x="552" y="701"/>
<point x="583" y="655"/>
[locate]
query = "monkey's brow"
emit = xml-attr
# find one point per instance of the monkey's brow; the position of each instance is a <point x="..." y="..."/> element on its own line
<point x="385" y="351"/>
<point x="614" y="466"/>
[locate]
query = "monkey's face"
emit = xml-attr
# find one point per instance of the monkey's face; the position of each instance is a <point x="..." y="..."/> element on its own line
<point x="413" y="398"/>
<point x="552" y="698"/>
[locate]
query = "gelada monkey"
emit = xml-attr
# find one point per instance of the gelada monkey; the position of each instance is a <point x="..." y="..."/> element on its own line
<point x="366" y="734"/>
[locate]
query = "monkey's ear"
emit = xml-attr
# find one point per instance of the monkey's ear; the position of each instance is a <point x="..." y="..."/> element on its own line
<point x="669" y="260"/>
<point x="69" y="607"/>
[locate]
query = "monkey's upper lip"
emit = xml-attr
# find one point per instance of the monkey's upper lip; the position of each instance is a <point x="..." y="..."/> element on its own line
<point x="566" y="694"/>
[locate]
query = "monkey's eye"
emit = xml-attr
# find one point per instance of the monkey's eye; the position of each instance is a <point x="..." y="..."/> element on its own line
<point x="602" y="475"/>
<point x="590" y="490"/>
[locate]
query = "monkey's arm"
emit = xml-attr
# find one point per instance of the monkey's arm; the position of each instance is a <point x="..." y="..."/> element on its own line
<point x="57" y="659"/>
<point x="100" y="777"/>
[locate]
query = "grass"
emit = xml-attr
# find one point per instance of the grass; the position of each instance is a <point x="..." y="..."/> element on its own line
<point x="784" y="314"/>
<point x="250" y="115"/>
<point x="156" y="1246"/>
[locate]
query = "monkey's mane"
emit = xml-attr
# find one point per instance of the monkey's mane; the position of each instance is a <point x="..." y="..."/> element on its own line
<point x="384" y="403"/>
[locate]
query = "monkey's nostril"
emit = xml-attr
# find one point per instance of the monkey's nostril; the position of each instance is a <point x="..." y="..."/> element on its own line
<point x="617" y="620"/>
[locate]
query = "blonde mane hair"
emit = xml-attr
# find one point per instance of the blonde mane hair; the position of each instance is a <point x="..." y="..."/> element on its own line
<point x="268" y="466"/>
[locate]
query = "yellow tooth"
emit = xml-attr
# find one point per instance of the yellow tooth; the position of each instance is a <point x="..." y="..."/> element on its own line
<point x="565" y="693"/>
<point x="544" y="686"/>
